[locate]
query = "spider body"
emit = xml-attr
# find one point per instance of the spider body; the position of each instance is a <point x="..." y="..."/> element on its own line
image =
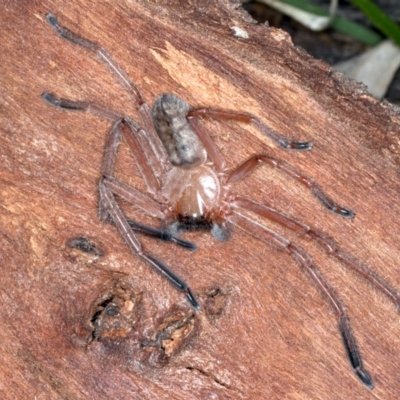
<point x="190" y="187"/>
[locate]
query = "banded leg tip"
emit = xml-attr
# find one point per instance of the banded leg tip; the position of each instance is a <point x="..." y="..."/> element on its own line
<point x="50" y="98"/>
<point x="64" y="104"/>
<point x="192" y="300"/>
<point x="51" y="19"/>
<point x="346" y="213"/>
<point x="304" y="146"/>
<point x="365" y="378"/>
<point x="301" y="146"/>
<point x="184" y="243"/>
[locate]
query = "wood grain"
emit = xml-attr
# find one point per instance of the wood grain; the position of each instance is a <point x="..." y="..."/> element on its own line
<point x="265" y="332"/>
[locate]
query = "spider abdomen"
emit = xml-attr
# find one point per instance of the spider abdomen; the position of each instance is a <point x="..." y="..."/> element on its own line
<point x="183" y="146"/>
<point x="193" y="193"/>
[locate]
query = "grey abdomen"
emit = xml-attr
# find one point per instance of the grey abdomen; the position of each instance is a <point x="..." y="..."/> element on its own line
<point x="180" y="141"/>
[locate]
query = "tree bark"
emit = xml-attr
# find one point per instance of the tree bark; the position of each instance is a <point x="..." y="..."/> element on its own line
<point x="83" y="318"/>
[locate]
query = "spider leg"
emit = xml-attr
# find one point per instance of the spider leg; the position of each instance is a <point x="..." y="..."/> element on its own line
<point x="251" y="164"/>
<point x="137" y="139"/>
<point x="161" y="234"/>
<point x="148" y="205"/>
<point x="310" y="269"/>
<point x="85" y="106"/>
<point x="212" y="150"/>
<point x="149" y="167"/>
<point x="282" y="141"/>
<point x="325" y="241"/>
<point x="67" y="34"/>
<point x="121" y="76"/>
<point x="135" y="197"/>
<point x="124" y="228"/>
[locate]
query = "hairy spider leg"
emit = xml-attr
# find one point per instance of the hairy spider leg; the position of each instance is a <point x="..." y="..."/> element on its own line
<point x="84" y="106"/>
<point x="253" y="162"/>
<point x="219" y="114"/>
<point x="310" y="269"/>
<point x="149" y="206"/>
<point x="122" y="77"/>
<point x="137" y="139"/>
<point x="162" y="234"/>
<point x="122" y="224"/>
<point x="212" y="150"/>
<point x="325" y="241"/>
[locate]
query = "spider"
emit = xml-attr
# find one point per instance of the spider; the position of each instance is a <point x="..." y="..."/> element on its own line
<point x="190" y="187"/>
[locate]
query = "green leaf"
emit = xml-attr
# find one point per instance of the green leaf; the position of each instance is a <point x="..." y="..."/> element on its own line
<point x="340" y="24"/>
<point x="381" y="20"/>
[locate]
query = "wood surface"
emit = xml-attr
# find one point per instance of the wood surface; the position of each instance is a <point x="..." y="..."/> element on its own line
<point x="79" y="318"/>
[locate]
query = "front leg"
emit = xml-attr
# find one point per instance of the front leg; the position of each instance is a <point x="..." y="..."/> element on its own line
<point x="119" y="73"/>
<point x="151" y="167"/>
<point x="146" y="204"/>
<point x="102" y="53"/>
<point x="219" y="114"/>
<point x="117" y="216"/>
<point x="252" y="163"/>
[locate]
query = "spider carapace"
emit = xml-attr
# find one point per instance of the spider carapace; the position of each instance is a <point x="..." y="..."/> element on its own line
<point x="190" y="187"/>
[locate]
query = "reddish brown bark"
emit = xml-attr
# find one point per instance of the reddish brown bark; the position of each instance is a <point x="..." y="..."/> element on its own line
<point x="265" y="331"/>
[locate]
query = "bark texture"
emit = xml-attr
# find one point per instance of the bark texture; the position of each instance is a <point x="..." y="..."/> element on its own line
<point x="81" y="315"/>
